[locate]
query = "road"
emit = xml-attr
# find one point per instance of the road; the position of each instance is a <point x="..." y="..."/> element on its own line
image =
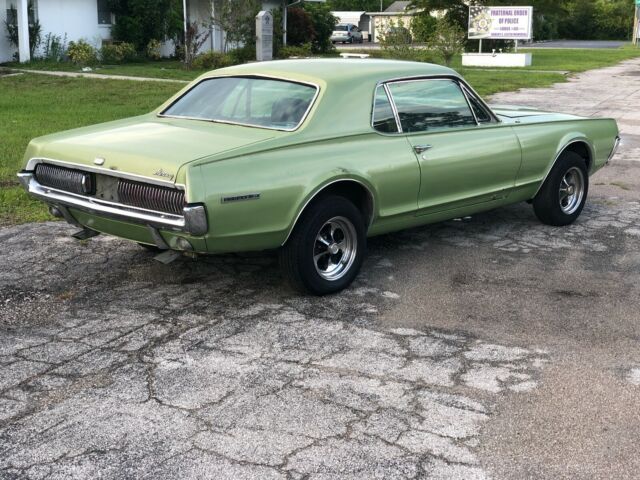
<point x="486" y="347"/>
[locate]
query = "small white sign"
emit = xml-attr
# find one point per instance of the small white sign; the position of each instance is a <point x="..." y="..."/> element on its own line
<point x="264" y="36"/>
<point x="500" y="23"/>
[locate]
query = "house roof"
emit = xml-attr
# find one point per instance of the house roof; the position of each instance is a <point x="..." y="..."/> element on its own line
<point x="398" y="7"/>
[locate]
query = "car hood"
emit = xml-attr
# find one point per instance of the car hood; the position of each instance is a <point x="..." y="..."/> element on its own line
<point x="521" y="114"/>
<point x="148" y="146"/>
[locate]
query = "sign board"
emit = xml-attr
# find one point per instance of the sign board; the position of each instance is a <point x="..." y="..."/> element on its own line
<point x="504" y="23"/>
<point x="264" y="36"/>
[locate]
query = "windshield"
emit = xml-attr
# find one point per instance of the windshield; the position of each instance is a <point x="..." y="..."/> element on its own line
<point x="258" y="102"/>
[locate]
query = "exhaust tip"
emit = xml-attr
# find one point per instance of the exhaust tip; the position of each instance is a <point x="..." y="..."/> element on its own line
<point x="55" y="211"/>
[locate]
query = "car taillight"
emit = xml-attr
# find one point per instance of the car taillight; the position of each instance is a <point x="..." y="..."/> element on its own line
<point x="348" y="34"/>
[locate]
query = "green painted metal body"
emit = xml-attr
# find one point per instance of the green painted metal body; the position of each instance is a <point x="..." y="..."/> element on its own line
<point x="466" y="171"/>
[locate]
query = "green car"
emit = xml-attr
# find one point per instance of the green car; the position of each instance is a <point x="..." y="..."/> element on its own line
<point x="311" y="157"/>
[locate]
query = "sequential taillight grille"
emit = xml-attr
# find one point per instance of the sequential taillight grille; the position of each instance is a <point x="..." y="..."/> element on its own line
<point x="67" y="179"/>
<point x="151" y="197"/>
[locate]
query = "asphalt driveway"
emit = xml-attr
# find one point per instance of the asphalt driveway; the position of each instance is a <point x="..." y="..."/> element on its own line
<point x="490" y="346"/>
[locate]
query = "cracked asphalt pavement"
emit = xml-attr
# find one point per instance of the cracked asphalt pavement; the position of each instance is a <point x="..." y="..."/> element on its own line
<point x="484" y="347"/>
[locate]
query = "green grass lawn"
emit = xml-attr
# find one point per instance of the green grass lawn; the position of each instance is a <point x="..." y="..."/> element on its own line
<point x="165" y="69"/>
<point x="34" y="105"/>
<point x="572" y="60"/>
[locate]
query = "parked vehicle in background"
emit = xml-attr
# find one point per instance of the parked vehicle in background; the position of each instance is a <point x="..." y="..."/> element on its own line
<point x="347" y="33"/>
<point x="311" y="157"/>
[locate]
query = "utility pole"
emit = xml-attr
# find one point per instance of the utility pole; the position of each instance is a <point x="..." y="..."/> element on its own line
<point x="636" y="23"/>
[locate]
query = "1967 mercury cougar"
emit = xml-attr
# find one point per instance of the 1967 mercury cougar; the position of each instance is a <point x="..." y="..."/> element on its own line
<point x="311" y="157"/>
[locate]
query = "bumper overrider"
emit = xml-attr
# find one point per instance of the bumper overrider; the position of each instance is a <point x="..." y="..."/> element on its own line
<point x="192" y="220"/>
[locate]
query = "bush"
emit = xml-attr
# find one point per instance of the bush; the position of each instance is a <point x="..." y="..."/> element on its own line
<point x="212" y="60"/>
<point x="300" y="27"/>
<point x="154" y="50"/>
<point x="115" y="53"/>
<point x="296" y="51"/>
<point x="81" y="53"/>
<point x="243" y="54"/>
<point x="447" y="40"/>
<point x="323" y="24"/>
<point x="55" y="47"/>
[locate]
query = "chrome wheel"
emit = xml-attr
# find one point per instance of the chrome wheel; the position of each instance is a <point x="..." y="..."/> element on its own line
<point x="571" y="190"/>
<point x="335" y="248"/>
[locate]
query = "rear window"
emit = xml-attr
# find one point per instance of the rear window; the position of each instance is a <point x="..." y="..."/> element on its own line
<point x="341" y="28"/>
<point x="257" y="102"/>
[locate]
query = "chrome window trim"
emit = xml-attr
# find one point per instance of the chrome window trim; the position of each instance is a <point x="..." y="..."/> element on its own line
<point x="466" y="97"/>
<point x="31" y="166"/>
<point x="421" y="79"/>
<point x="468" y="94"/>
<point x="394" y="109"/>
<point x="227" y="122"/>
<point x="462" y="84"/>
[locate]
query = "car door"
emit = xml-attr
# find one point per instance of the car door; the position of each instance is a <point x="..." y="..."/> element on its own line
<point x="465" y="155"/>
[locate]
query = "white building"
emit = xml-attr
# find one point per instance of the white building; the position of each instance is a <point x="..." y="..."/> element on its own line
<point x="90" y="20"/>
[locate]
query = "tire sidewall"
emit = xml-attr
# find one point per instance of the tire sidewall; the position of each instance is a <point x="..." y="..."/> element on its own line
<point x="322" y="211"/>
<point x="550" y="202"/>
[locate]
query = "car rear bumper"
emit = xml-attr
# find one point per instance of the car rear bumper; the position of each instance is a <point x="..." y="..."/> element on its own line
<point x="193" y="221"/>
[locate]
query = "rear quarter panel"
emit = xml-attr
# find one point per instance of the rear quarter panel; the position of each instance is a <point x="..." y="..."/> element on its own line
<point x="543" y="142"/>
<point x="287" y="178"/>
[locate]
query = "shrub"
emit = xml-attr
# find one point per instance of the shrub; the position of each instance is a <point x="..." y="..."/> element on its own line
<point x="295" y="51"/>
<point x="154" y="49"/>
<point x="212" y="60"/>
<point x="114" y="53"/>
<point x="447" y="40"/>
<point x="243" y="54"/>
<point x="396" y="41"/>
<point x="323" y="24"/>
<point x="81" y="53"/>
<point x="55" y="47"/>
<point x="300" y="28"/>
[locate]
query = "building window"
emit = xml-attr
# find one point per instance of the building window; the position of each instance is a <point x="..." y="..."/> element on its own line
<point x="104" y="13"/>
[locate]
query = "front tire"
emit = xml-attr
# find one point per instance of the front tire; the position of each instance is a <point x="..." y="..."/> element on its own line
<point x="564" y="193"/>
<point x="326" y="248"/>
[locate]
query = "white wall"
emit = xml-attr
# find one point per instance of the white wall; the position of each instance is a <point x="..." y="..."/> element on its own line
<point x="77" y="18"/>
<point x="6" y="50"/>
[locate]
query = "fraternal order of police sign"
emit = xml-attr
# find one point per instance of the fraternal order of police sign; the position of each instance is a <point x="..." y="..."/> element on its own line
<point x="506" y="23"/>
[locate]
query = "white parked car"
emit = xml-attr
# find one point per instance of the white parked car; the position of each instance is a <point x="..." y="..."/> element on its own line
<point x="347" y="33"/>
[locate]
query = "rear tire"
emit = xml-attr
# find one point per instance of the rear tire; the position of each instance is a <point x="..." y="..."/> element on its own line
<point x="326" y="248"/>
<point x="564" y="193"/>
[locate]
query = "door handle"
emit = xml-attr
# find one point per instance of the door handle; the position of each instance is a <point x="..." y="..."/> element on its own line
<point x="421" y="148"/>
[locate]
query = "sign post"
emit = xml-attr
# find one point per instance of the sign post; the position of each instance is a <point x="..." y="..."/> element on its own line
<point x="264" y="36"/>
<point x="636" y="23"/>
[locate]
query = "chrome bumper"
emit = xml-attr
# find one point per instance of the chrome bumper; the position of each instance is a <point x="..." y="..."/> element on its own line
<point x="616" y="145"/>
<point x="193" y="221"/>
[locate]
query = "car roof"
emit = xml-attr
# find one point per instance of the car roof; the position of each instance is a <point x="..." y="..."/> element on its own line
<point x="336" y="70"/>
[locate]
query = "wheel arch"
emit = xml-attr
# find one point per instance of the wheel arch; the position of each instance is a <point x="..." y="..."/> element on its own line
<point x="356" y="190"/>
<point x="579" y="145"/>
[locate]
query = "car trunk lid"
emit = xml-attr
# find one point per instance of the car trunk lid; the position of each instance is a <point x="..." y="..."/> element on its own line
<point x="148" y="147"/>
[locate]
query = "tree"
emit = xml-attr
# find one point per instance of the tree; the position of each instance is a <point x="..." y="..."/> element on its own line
<point x="358" y="5"/>
<point x="140" y="21"/>
<point x="237" y="19"/>
<point x="323" y="25"/>
<point x="447" y="40"/>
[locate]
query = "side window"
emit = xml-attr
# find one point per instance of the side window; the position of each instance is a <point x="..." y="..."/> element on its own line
<point x="431" y="105"/>
<point x="481" y="113"/>
<point x="383" y="119"/>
